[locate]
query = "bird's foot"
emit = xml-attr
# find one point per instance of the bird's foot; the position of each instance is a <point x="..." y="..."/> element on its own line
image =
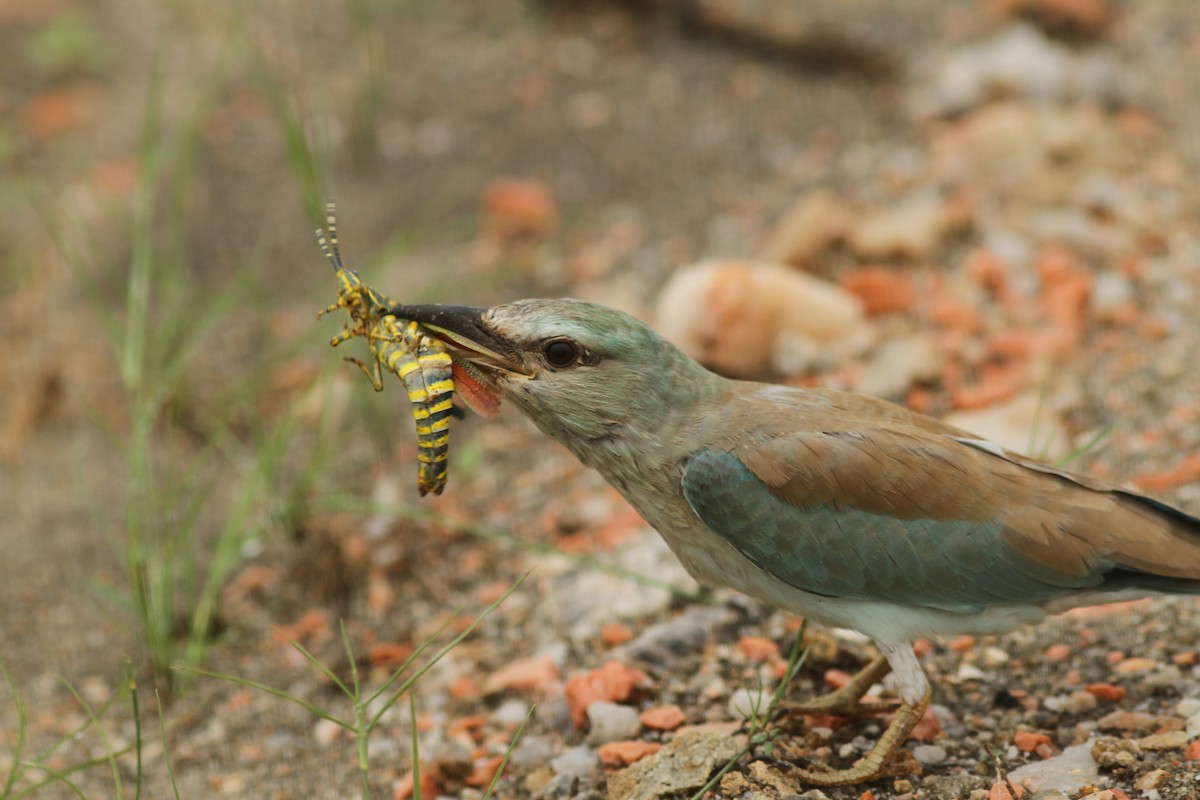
<point x="843" y="702"/>
<point x="898" y="764"/>
<point x="885" y="759"/>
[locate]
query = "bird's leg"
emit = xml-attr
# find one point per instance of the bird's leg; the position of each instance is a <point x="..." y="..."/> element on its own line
<point x="846" y="700"/>
<point x="886" y="757"/>
<point x="880" y="761"/>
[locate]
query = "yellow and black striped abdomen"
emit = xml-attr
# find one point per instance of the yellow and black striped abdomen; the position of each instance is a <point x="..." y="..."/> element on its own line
<point x="423" y="363"/>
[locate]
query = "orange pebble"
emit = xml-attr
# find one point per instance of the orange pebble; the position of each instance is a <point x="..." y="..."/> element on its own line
<point x="927" y="729"/>
<point x="1130" y="665"/>
<point x="622" y="754"/>
<point x="1106" y="692"/>
<point x="484" y="771"/>
<point x="615" y="633"/>
<point x="758" y="648"/>
<point x="613" y="682"/>
<point x="836" y="678"/>
<point x="525" y="674"/>
<point x="1058" y="652"/>
<point x="663" y="718"/>
<point x="1028" y="741"/>
<point x="962" y="643"/>
<point x="464" y="688"/>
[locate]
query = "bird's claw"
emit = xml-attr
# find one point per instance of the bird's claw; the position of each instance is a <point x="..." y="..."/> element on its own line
<point x="898" y="763"/>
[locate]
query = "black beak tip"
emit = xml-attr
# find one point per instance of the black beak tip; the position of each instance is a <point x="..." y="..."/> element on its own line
<point x="442" y="316"/>
<point x="463" y="323"/>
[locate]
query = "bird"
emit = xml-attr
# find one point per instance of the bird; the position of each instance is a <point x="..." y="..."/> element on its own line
<point x="837" y="506"/>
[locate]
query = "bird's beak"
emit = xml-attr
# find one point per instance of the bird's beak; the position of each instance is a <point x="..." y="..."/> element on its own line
<point x="464" y="329"/>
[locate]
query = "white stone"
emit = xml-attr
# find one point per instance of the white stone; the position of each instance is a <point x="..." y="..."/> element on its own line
<point x="611" y="722"/>
<point x="748" y="703"/>
<point x="579" y="761"/>
<point x="1187" y="707"/>
<point x="929" y="753"/>
<point x="511" y="712"/>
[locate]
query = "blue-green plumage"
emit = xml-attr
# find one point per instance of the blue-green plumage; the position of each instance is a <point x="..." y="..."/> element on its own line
<point x="952" y="565"/>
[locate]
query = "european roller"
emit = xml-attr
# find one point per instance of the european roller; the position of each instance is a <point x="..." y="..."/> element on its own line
<point x="836" y="506"/>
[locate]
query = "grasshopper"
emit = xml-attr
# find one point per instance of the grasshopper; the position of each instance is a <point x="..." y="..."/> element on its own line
<point x="403" y="348"/>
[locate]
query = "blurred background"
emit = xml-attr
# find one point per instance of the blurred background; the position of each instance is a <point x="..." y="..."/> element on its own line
<point x="982" y="209"/>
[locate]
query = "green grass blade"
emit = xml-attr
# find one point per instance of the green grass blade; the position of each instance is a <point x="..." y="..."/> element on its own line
<point x="131" y="685"/>
<point x="357" y="693"/>
<point x="162" y="733"/>
<point x="1092" y="443"/>
<point x="57" y="776"/>
<point x="410" y="681"/>
<point x="508" y="753"/>
<point x="404" y="665"/>
<point x="109" y="754"/>
<point x="416" y="747"/>
<point x="22" y="723"/>
<point x="271" y="690"/>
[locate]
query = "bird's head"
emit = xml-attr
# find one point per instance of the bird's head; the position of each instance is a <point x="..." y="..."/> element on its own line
<point x="584" y="373"/>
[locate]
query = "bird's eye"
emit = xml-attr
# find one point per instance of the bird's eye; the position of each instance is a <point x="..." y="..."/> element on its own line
<point x="561" y="353"/>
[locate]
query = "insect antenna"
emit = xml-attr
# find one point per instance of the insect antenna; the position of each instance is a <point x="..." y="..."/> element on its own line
<point x="330" y="247"/>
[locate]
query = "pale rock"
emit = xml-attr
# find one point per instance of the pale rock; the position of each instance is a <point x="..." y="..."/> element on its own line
<point x="1067" y="772"/>
<point x="533" y="750"/>
<point x="611" y="722"/>
<point x="578" y="761"/>
<point x="1166" y="740"/>
<point x="749" y="703"/>
<point x="1193" y="726"/>
<point x="929" y="753"/>
<point x="899" y="363"/>
<point x="1019" y="61"/>
<point x="994" y="657"/>
<point x="1166" y="677"/>
<point x="1127" y="721"/>
<point x="326" y="731"/>
<point x="683" y="765"/>
<point x="511" y="712"/>
<point x="1080" y="702"/>
<point x="1187" y="707"/>
<point x="731" y="315"/>
<point x="1115" y="753"/>
<point x="1111" y="292"/>
<point x="909" y="230"/>
<point x="807" y="229"/>
<point x="969" y="672"/>
<point x="1152" y="780"/>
